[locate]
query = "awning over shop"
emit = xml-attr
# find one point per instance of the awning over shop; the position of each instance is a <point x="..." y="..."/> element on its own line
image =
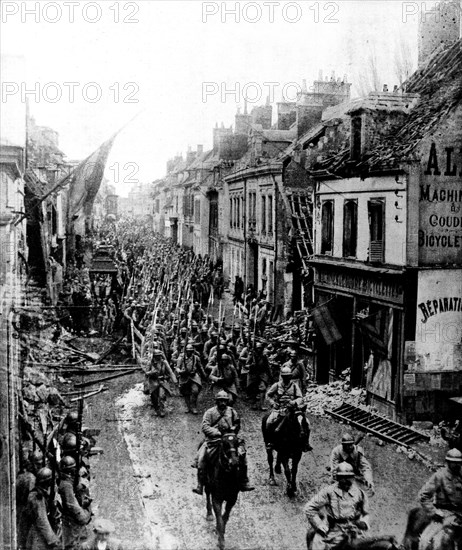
<point x="326" y="324"/>
<point x="457" y="400"/>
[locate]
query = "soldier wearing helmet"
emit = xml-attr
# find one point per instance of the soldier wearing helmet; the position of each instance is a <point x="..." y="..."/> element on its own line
<point x="41" y="534"/>
<point x="25" y="483"/>
<point x="283" y="395"/>
<point x="224" y="376"/>
<point x="158" y="376"/>
<point x="297" y="369"/>
<point x="442" y="494"/>
<point x="197" y="314"/>
<point x="76" y="516"/>
<point x="216" y="422"/>
<point x="334" y="507"/>
<point x="190" y="375"/>
<point x="349" y="452"/>
<point x="258" y="377"/>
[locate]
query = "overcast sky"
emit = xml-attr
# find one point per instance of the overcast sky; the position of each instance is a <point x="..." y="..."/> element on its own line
<point x="172" y="62"/>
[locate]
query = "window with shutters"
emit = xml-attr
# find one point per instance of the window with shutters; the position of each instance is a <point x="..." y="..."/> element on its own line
<point x="327" y="227"/>
<point x="231" y="213"/>
<point x="376" y="211"/>
<point x="350" y="228"/>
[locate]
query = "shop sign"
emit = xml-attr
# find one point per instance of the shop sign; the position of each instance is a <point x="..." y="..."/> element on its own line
<point x="439" y="320"/>
<point x="366" y="284"/>
<point x="440" y="207"/>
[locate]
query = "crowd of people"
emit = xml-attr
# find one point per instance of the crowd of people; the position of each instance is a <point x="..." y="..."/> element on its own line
<point x="172" y="298"/>
<point x="53" y="503"/>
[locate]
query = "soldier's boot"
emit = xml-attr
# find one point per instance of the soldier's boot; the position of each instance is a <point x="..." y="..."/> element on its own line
<point x="244" y="484"/>
<point x="187" y="400"/>
<point x="199" y="490"/>
<point x="194" y="403"/>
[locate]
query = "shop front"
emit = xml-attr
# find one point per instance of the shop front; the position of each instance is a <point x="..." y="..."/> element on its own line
<point x="433" y="361"/>
<point x="359" y="318"/>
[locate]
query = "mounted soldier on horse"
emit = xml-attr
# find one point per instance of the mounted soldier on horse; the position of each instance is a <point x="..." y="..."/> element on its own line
<point x="286" y="428"/>
<point x="221" y="462"/>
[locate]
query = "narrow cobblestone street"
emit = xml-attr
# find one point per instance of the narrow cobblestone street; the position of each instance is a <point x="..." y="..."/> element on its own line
<point x="143" y="480"/>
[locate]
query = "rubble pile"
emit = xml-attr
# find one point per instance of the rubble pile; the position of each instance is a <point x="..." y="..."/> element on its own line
<point x="298" y="330"/>
<point x="329" y="396"/>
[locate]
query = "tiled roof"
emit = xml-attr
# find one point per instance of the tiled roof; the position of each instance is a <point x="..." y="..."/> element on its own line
<point x="439" y="84"/>
<point x="431" y="94"/>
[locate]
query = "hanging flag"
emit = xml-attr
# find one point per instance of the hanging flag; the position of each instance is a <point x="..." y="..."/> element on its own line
<point x="326" y="324"/>
<point x="85" y="181"/>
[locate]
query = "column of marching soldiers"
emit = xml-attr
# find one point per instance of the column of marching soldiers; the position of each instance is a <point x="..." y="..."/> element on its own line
<point x="169" y="296"/>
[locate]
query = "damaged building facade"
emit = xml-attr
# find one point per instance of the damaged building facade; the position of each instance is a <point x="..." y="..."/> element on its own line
<point x="387" y="254"/>
<point x="348" y="209"/>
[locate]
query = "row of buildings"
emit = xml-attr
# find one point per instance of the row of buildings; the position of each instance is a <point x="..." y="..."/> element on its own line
<point x="38" y="239"/>
<point x="350" y="209"/>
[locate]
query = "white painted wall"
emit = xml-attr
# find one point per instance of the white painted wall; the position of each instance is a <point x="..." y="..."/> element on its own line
<point x="364" y="190"/>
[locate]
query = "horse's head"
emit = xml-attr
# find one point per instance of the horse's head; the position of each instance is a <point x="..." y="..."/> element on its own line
<point x="229" y="456"/>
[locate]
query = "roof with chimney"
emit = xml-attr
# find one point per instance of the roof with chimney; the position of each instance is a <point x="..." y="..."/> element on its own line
<point x="439" y="84"/>
<point x="431" y="94"/>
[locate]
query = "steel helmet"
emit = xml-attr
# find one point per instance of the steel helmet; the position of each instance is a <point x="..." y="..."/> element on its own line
<point x="259" y="345"/>
<point x="36" y="457"/>
<point x="44" y="475"/>
<point x="454" y="455"/>
<point x="103" y="526"/>
<point x="222" y="396"/>
<point x="285" y="371"/>
<point x="67" y="463"/>
<point x="69" y="442"/>
<point x="157" y="351"/>
<point x="72" y="417"/>
<point x="189" y="347"/>
<point x="345" y="470"/>
<point x="226" y="357"/>
<point x="292" y="353"/>
<point x="347" y="438"/>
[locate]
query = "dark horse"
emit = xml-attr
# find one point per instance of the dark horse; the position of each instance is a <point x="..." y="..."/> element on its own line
<point x="288" y="439"/>
<point x="222" y="482"/>
<point x="449" y="537"/>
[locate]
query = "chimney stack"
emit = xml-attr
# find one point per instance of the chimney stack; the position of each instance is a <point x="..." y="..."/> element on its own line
<point x="439" y="26"/>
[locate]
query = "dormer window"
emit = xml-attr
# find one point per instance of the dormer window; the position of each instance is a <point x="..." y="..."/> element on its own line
<point x="356" y="137"/>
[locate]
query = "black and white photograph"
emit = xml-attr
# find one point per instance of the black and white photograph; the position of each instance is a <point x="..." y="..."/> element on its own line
<point x="231" y="275"/>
